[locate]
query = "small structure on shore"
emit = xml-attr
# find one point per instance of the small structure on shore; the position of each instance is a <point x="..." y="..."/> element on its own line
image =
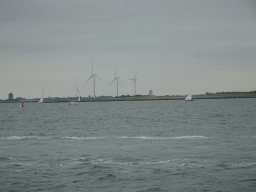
<point x="150" y="92"/>
<point x="10" y="96"/>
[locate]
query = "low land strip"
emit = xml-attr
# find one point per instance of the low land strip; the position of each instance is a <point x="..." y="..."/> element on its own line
<point x="144" y="98"/>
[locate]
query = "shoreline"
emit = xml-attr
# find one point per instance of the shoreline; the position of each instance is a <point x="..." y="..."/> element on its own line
<point x="142" y="98"/>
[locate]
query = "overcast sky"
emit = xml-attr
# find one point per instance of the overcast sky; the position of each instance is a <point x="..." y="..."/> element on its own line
<point x="177" y="46"/>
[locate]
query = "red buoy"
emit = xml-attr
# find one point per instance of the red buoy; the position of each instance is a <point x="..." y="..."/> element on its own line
<point x="21" y="104"/>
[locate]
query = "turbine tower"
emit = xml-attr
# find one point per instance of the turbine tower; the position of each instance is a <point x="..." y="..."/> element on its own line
<point x="134" y="79"/>
<point x="116" y="78"/>
<point x="93" y="75"/>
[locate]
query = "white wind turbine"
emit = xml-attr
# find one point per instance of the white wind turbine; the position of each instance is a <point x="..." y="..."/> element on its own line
<point x="116" y="78"/>
<point x="93" y="75"/>
<point x="134" y="79"/>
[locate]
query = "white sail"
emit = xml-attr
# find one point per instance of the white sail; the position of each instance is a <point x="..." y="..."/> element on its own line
<point x="41" y="99"/>
<point x="189" y="97"/>
<point x="78" y="95"/>
<point x="78" y="100"/>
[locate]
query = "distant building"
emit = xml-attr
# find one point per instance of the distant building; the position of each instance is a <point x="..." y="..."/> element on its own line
<point x="150" y="92"/>
<point x="10" y="96"/>
<point x="105" y="96"/>
<point x="20" y="98"/>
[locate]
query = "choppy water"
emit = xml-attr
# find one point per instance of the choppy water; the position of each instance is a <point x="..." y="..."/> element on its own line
<point x="204" y="145"/>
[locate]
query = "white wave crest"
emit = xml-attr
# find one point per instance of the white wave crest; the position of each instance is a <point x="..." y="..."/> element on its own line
<point x="134" y="163"/>
<point x="83" y="138"/>
<point x="110" y="162"/>
<point x="137" y="137"/>
<point x="192" y="137"/>
<point x="164" y="138"/>
<point x="23" y="137"/>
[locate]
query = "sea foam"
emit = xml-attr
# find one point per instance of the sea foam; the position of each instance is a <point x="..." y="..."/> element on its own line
<point x="137" y="137"/>
<point x="23" y="137"/>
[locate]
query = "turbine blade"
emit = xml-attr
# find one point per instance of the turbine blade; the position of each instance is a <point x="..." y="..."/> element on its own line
<point x="98" y="78"/>
<point x="88" y="80"/>
<point x="112" y="81"/>
<point x="115" y="70"/>
<point x="120" y="80"/>
<point x="136" y="74"/>
<point x="130" y="79"/>
<point x="92" y="66"/>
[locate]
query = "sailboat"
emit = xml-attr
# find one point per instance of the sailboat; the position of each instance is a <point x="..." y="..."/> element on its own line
<point x="41" y="99"/>
<point x="78" y="100"/>
<point x="189" y="97"/>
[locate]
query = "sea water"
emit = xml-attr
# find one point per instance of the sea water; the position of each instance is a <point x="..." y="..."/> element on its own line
<point x="137" y="146"/>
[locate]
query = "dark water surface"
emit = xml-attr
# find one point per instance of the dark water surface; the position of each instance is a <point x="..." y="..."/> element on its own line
<point x="204" y="145"/>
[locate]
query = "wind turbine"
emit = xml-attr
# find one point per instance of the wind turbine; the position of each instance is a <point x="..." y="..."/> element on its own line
<point x="93" y="75"/>
<point x="116" y="78"/>
<point x="134" y="79"/>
